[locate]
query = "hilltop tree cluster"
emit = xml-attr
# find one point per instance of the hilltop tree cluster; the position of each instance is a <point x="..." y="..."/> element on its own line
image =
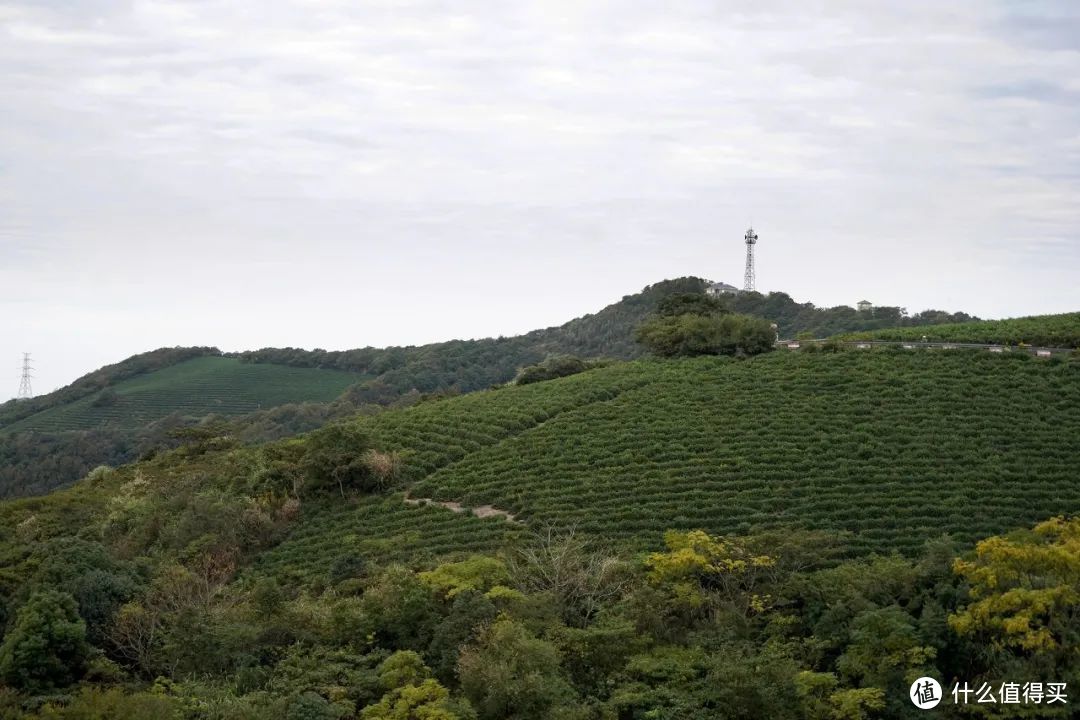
<point x="686" y="325"/>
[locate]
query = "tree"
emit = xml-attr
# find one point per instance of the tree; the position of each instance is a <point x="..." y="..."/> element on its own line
<point x="479" y="572"/>
<point x="566" y="567"/>
<point x="509" y="672"/>
<point x="690" y="304"/>
<point x="400" y="609"/>
<point x="99" y="584"/>
<point x="312" y="706"/>
<point x="427" y="700"/>
<point x="553" y="367"/>
<point x="411" y="693"/>
<point x="336" y="455"/>
<point x="1025" y="592"/>
<point x="884" y="649"/>
<point x="690" y="334"/>
<point x="701" y="572"/>
<point x="469" y="613"/>
<point x="46" y="648"/>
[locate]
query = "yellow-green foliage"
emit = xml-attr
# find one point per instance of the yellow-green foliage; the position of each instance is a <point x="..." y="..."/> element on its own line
<point x="1022" y="586"/>
<point x="821" y="700"/>
<point x="411" y="693"/>
<point x="857" y="703"/>
<point x="427" y="700"/>
<point x="697" y="567"/>
<point x="480" y="573"/>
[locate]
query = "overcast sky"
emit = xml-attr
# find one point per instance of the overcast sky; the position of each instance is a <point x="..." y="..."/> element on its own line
<point x="250" y="173"/>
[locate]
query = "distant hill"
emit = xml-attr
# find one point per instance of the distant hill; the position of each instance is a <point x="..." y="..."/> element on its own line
<point x="381" y="374"/>
<point x="14" y="410"/>
<point x="115" y="414"/>
<point x="1045" y="330"/>
<point x="467" y="365"/>
<point x="193" y="387"/>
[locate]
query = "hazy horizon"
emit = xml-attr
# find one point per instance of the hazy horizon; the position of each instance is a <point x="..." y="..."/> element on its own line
<point x="245" y="174"/>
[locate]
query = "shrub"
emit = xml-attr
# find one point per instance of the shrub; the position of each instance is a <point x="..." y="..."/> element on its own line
<point x="46" y="649"/>
<point x="554" y="367"/>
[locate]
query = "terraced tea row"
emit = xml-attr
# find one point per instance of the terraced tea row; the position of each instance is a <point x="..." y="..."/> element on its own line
<point x="432" y="434"/>
<point x="1047" y="330"/>
<point x="888" y="449"/>
<point x="386" y="529"/>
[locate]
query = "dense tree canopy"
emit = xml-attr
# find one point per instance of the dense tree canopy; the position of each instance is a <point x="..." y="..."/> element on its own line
<point x="46" y="646"/>
<point x="690" y="335"/>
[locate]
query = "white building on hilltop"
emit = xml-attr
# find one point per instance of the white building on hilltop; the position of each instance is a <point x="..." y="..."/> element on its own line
<point x="715" y="289"/>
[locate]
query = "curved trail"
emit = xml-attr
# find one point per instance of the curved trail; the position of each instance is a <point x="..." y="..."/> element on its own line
<point x="480" y="511"/>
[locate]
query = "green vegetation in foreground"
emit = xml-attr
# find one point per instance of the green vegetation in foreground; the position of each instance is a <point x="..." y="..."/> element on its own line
<point x="193" y="387"/>
<point x="294" y="580"/>
<point x="1043" y="330"/>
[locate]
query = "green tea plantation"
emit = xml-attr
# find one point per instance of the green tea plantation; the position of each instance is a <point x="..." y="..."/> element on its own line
<point x="196" y="387"/>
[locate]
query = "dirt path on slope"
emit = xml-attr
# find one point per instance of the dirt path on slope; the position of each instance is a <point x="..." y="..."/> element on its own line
<point x="480" y="511"/>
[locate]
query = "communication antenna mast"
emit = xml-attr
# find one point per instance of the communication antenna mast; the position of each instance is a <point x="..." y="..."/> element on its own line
<point x="25" y="391"/>
<point x="748" y="278"/>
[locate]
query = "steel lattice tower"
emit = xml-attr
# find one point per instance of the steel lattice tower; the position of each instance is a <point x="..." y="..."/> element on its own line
<point x="25" y="391"/>
<point x="749" y="280"/>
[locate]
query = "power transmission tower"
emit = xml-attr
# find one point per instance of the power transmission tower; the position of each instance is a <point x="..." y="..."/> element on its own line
<point x="25" y="391"/>
<point x="748" y="278"/>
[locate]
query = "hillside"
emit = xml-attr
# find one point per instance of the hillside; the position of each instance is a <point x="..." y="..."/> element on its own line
<point x="1043" y="330"/>
<point x="193" y="387"/>
<point x="12" y="411"/>
<point x="314" y="573"/>
<point x="884" y="449"/>
<point x="888" y="449"/>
